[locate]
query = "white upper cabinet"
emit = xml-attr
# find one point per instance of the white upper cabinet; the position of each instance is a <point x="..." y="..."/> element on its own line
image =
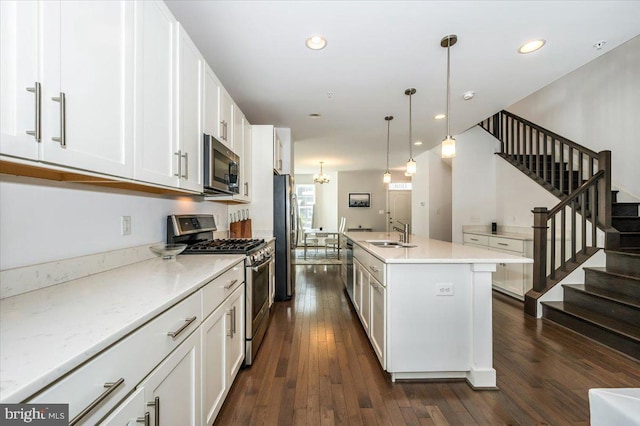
<point x="80" y="55"/>
<point x="211" y="111"/>
<point x="226" y="120"/>
<point x="87" y="91"/>
<point x="155" y="114"/>
<point x="19" y="60"/>
<point x="188" y="152"/>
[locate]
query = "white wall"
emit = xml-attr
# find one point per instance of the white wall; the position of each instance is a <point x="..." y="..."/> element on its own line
<point x="439" y="197"/>
<point x="597" y="106"/>
<point x="473" y="181"/>
<point x="43" y="221"/>
<point x="363" y="181"/>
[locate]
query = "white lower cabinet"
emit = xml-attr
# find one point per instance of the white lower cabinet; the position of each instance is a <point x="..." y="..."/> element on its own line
<point x="172" y="390"/>
<point x="222" y="335"/>
<point x="133" y="410"/>
<point x="377" y="325"/>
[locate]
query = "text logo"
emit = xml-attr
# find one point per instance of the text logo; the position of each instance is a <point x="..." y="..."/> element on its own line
<point x="34" y="414"/>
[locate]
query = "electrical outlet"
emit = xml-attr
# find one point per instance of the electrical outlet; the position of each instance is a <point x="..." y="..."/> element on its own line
<point x="125" y="222"/>
<point x="444" y="289"/>
<point x="380" y="211"/>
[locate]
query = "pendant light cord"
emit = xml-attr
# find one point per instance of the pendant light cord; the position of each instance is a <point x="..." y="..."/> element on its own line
<point x="448" y="84"/>
<point x="410" y="128"/>
<point x="388" y="124"/>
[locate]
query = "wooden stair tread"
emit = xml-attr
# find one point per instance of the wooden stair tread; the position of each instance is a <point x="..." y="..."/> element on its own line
<point x="604" y="270"/>
<point x="602" y="321"/>
<point x="622" y="299"/>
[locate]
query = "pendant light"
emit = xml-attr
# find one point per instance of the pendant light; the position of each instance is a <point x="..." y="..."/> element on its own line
<point x="449" y="143"/>
<point x="387" y="175"/>
<point x="321" y="178"/>
<point x="411" y="164"/>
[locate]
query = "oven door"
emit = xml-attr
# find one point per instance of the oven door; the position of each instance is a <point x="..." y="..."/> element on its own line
<point x="257" y="307"/>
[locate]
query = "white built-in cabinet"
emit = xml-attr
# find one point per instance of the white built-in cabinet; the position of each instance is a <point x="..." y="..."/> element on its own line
<point x="156" y="80"/>
<point x="114" y="89"/>
<point x="370" y="300"/>
<point x="278" y="154"/>
<point x="514" y="279"/>
<point x="176" y="369"/>
<point x="72" y="84"/>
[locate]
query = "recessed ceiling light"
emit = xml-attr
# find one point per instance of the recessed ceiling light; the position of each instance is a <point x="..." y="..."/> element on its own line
<point x="439" y="116"/>
<point x="316" y="42"/>
<point x="417" y="143"/>
<point x="468" y="95"/>
<point x="531" y="46"/>
<point x="315" y="115"/>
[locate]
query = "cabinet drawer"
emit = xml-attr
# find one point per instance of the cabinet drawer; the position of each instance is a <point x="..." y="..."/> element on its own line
<point x="372" y="264"/>
<point x="216" y="291"/>
<point x="507" y="244"/>
<point x="481" y="240"/>
<point x="131" y="359"/>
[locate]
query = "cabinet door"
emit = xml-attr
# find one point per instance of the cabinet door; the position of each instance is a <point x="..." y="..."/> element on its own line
<point x="214" y="377"/>
<point x="357" y="285"/>
<point x="130" y="412"/>
<point x="189" y="151"/>
<point x="155" y="94"/>
<point x="377" y="326"/>
<point x="365" y="303"/>
<point x="174" y="386"/>
<point x="211" y="111"/>
<point x="235" y="336"/>
<point x="247" y="158"/>
<point x="95" y="80"/>
<point x="19" y="61"/>
<point x="225" y="126"/>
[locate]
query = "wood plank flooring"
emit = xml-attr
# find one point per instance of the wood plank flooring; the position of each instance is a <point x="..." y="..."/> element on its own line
<point x="316" y="367"/>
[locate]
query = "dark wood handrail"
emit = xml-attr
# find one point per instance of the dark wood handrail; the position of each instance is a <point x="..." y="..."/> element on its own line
<point x="579" y="176"/>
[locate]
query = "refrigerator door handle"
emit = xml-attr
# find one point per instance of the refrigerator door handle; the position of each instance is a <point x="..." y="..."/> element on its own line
<point x="294" y="225"/>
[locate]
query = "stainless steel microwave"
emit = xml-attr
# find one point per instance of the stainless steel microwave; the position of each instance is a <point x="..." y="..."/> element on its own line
<point x="221" y="167"/>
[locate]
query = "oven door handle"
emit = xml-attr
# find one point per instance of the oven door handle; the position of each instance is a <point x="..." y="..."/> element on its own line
<point x="257" y="268"/>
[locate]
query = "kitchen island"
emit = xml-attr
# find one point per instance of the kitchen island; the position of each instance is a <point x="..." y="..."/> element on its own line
<point x="426" y="306"/>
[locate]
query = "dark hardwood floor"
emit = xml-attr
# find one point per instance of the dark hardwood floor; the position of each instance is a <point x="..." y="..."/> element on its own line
<point x="316" y="367"/>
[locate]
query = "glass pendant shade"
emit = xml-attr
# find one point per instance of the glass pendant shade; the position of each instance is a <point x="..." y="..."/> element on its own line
<point x="411" y="167"/>
<point x="387" y="177"/>
<point x="448" y="147"/>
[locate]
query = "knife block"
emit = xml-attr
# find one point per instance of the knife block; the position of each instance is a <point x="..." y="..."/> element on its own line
<point x="235" y="230"/>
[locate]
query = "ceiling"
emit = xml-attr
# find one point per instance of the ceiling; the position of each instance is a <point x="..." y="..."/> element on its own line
<point x="377" y="49"/>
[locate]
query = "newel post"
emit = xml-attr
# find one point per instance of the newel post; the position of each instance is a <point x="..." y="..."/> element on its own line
<point x="539" y="248"/>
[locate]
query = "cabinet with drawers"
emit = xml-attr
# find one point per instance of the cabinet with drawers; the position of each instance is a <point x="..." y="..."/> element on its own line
<point x="514" y="279"/>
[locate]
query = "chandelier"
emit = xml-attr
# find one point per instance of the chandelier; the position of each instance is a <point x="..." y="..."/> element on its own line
<point x="321" y="178"/>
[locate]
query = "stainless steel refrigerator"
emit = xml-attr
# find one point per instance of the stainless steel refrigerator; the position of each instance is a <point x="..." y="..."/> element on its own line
<point x="285" y="229"/>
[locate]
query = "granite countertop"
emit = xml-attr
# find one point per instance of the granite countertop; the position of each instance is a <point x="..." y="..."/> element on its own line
<point x="46" y="333"/>
<point x="429" y="251"/>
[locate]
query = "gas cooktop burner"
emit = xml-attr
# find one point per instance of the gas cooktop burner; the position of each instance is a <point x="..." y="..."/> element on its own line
<point x="238" y="245"/>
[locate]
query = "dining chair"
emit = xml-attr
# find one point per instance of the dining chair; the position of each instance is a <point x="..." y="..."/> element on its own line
<point x="333" y="242"/>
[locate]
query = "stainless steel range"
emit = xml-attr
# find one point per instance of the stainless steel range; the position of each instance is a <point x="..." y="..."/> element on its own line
<point x="196" y="230"/>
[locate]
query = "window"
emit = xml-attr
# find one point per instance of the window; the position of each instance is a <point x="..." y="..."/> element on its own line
<point x="306" y="203"/>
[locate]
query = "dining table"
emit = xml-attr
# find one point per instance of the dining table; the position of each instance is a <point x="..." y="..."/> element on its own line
<point x="320" y="233"/>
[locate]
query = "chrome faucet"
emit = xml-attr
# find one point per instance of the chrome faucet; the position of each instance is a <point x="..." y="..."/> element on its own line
<point x="404" y="238"/>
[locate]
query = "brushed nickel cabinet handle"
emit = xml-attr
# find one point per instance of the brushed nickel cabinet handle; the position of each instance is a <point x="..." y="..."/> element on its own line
<point x="503" y="244"/>
<point x="146" y="420"/>
<point x="179" y="155"/>
<point x="246" y="189"/>
<point x="231" y="284"/>
<point x="186" y="165"/>
<point x="230" y="333"/>
<point x="187" y="323"/>
<point x="111" y="387"/>
<point x="473" y="239"/>
<point x="156" y="410"/>
<point x="63" y="119"/>
<point x="235" y="330"/>
<point x="37" y="132"/>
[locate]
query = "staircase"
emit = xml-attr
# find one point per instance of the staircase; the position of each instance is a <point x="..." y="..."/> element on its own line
<point x="606" y="308"/>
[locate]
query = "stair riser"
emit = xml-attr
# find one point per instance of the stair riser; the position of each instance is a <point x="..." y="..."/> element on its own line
<point x="628" y="314"/>
<point x="627" y="224"/>
<point x="630" y="240"/>
<point x="613" y="340"/>
<point x="623" y="264"/>
<point x="614" y="196"/>
<point x="604" y="281"/>
<point x="624" y="210"/>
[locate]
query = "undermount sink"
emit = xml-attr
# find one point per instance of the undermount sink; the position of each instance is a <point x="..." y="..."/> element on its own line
<point x="389" y="244"/>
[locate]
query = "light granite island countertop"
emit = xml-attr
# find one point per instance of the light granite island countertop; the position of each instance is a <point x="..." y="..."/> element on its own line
<point x="427" y="308"/>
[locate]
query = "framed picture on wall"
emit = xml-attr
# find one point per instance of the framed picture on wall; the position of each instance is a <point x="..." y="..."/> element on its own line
<point x="359" y="199"/>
